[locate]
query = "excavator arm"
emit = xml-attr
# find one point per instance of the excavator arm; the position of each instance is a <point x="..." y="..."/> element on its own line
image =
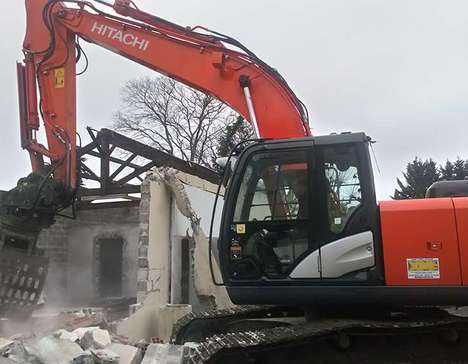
<point x="208" y="61"/>
<point x="205" y="60"/>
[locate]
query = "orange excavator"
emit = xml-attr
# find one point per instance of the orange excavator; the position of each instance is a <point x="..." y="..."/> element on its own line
<point x="301" y="228"/>
<point x="209" y="61"/>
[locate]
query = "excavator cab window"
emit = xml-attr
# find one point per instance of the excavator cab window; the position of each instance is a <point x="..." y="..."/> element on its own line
<point x="343" y="185"/>
<point x="270" y="230"/>
<point x="295" y="209"/>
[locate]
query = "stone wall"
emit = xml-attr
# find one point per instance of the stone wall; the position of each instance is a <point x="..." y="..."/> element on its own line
<point x="143" y="264"/>
<point x="71" y="246"/>
<point x="54" y="241"/>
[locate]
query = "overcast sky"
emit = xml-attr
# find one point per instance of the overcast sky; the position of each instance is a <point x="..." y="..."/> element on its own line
<point x="397" y="70"/>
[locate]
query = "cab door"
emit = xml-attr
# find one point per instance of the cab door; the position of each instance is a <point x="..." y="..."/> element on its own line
<point x="272" y="229"/>
<point x="345" y="210"/>
<point x="346" y="235"/>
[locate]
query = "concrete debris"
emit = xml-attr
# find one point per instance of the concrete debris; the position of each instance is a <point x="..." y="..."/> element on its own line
<point x="65" y="347"/>
<point x="47" y="322"/>
<point x="128" y="354"/>
<point x="5" y="344"/>
<point x="18" y="354"/>
<point x="84" y="358"/>
<point x="16" y="337"/>
<point x="104" y="356"/>
<point x="115" y="338"/>
<point x="83" y="330"/>
<point x="168" y="315"/>
<point x="165" y="353"/>
<point x="66" y="335"/>
<point x="7" y="361"/>
<point x="95" y="339"/>
<point x="51" y="350"/>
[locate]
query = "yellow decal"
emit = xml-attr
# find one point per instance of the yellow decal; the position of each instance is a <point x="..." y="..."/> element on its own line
<point x="240" y="228"/>
<point x="59" y="74"/>
<point x="423" y="268"/>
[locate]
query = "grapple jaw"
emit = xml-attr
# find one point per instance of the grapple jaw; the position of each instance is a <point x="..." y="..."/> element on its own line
<point x="24" y="211"/>
<point x="32" y="205"/>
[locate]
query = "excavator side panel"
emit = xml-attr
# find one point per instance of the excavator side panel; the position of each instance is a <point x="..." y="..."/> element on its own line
<point x="420" y="242"/>
<point x="461" y="215"/>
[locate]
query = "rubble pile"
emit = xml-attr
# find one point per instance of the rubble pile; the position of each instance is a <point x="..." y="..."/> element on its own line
<point x="88" y="345"/>
<point x="45" y="343"/>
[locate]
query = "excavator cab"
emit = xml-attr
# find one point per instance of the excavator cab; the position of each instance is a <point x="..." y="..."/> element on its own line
<point x="300" y="213"/>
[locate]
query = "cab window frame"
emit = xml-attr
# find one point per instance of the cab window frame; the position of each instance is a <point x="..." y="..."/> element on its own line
<point x="326" y="232"/>
<point x="303" y="223"/>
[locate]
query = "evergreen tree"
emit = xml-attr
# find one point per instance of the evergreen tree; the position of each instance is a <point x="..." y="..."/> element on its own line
<point x="457" y="170"/>
<point x="235" y="132"/>
<point x="419" y="175"/>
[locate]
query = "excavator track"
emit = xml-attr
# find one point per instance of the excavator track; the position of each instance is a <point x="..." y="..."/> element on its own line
<point x="197" y="326"/>
<point x="418" y="336"/>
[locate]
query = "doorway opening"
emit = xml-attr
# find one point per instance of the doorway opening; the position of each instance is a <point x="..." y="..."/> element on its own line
<point x="110" y="267"/>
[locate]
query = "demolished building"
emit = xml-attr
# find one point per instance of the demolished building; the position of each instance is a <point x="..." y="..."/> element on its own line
<point x="173" y="274"/>
<point x="148" y="249"/>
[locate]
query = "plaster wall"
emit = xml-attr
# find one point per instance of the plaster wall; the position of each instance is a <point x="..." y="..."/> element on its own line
<point x="202" y="200"/>
<point x="174" y="206"/>
<point x="193" y="202"/>
<point x="154" y="262"/>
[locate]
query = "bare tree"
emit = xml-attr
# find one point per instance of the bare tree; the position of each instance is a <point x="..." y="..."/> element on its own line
<point x="174" y="118"/>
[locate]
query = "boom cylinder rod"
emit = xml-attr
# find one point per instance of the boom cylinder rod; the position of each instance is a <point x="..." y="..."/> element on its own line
<point x="245" y="84"/>
<point x="250" y="106"/>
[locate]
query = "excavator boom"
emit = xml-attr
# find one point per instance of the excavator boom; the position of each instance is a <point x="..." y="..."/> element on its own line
<point x="47" y="78"/>
<point x="208" y="61"/>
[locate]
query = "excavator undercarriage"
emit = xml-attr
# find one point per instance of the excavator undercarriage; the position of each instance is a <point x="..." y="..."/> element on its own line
<point x="277" y="334"/>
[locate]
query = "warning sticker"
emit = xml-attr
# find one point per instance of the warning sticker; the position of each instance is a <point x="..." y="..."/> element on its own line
<point x="59" y="74"/>
<point x="423" y="268"/>
<point x="240" y="228"/>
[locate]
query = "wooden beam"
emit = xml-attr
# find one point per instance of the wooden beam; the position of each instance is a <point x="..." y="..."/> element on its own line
<point x="160" y="158"/>
<point x="136" y="173"/>
<point x="114" y="159"/>
<point x="123" y="165"/>
<point x="90" y="174"/>
<point x="105" y="163"/>
<point x="86" y="149"/>
<point x="106" y="141"/>
<point x="94" y="138"/>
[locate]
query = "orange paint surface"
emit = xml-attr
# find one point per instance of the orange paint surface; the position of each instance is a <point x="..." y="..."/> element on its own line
<point x="194" y="58"/>
<point x="461" y="213"/>
<point x="425" y="228"/>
